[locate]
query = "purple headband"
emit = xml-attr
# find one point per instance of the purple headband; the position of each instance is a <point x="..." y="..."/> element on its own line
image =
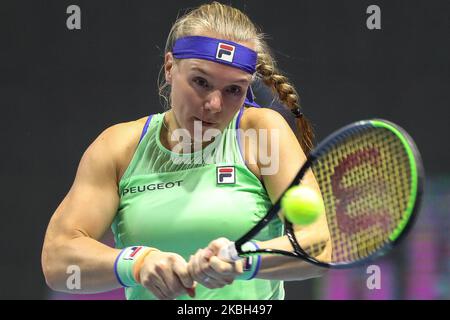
<point x="220" y="51"/>
<point x="216" y="50"/>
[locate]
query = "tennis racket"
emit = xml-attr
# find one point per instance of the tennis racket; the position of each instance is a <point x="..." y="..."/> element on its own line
<point x="370" y="176"/>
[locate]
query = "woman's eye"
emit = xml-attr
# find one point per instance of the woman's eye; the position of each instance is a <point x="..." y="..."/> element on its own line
<point x="201" y="82"/>
<point x="235" y="91"/>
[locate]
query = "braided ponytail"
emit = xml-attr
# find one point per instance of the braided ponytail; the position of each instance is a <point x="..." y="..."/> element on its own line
<point x="279" y="84"/>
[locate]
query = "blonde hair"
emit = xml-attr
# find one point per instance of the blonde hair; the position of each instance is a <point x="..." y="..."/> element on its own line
<point x="231" y="24"/>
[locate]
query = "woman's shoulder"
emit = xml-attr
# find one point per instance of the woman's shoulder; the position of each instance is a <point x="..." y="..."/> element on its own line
<point x="253" y="118"/>
<point x="258" y="118"/>
<point x="125" y="133"/>
<point x="123" y="139"/>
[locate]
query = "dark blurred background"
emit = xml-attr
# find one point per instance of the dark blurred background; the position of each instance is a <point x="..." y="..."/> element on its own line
<point x="60" y="88"/>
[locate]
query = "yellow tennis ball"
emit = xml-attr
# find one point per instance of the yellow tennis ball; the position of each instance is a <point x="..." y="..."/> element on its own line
<point x="302" y="205"/>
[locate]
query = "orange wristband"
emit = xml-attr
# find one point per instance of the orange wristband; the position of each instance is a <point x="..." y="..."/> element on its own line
<point x="139" y="262"/>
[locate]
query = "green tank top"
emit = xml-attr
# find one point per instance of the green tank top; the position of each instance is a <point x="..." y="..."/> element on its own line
<point x="181" y="202"/>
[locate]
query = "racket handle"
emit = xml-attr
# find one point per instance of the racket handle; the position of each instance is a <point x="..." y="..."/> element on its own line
<point x="229" y="253"/>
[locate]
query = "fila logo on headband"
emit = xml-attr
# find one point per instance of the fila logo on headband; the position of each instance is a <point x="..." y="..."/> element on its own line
<point x="226" y="175"/>
<point x="225" y="52"/>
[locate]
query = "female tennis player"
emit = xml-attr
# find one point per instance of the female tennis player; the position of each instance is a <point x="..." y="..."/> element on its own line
<point x="164" y="200"/>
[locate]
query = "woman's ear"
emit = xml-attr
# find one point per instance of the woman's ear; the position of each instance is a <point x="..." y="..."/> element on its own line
<point x="168" y="66"/>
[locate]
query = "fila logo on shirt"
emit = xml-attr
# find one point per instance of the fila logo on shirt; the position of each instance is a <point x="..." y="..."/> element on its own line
<point x="225" y="52"/>
<point x="226" y="175"/>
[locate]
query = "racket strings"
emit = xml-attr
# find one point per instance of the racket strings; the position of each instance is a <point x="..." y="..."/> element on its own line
<point x="365" y="182"/>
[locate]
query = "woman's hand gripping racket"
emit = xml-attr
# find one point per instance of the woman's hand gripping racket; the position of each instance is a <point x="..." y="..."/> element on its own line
<point x="370" y="177"/>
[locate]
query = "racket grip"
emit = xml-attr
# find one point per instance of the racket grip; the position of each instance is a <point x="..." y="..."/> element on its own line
<point x="229" y="253"/>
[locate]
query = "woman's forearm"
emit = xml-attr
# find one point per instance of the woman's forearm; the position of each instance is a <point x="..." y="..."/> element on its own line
<point x="274" y="267"/>
<point x="278" y="267"/>
<point x="92" y="261"/>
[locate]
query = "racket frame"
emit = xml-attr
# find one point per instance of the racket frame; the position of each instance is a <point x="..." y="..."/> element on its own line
<point x="415" y="166"/>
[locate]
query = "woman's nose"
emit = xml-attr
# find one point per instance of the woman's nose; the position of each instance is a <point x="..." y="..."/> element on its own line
<point x="214" y="102"/>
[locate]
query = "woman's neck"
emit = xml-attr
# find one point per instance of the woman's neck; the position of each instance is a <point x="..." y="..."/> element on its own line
<point x="169" y="125"/>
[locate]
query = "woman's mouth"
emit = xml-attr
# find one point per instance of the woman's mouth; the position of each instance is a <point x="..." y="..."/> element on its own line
<point x="205" y="123"/>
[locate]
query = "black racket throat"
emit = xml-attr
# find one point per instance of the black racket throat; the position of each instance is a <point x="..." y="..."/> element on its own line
<point x="275" y="208"/>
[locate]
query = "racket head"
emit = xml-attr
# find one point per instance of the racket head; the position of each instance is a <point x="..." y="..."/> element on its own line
<point x="371" y="176"/>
